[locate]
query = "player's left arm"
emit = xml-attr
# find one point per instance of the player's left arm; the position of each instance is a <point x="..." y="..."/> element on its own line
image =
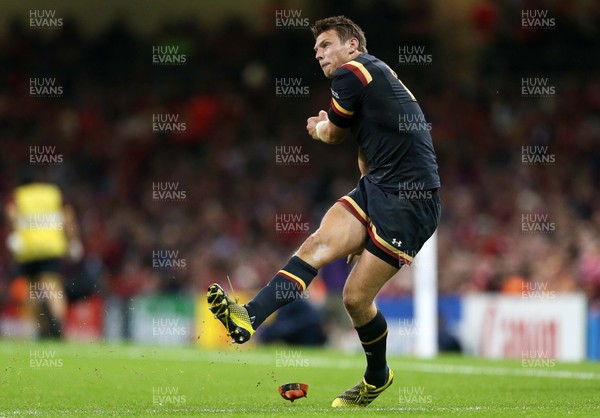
<point x="11" y="212"/>
<point x="346" y="90"/>
<point x="72" y="232"/>
<point x="321" y="128"/>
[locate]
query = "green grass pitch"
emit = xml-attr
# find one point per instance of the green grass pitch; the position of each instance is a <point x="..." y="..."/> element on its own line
<point x="103" y="380"/>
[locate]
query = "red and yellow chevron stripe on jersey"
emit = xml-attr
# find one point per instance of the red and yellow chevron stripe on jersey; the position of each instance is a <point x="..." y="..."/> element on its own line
<point x="359" y="71"/>
<point x="363" y="75"/>
<point x="337" y="108"/>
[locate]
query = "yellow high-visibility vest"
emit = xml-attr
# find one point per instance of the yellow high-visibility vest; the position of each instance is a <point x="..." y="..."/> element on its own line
<point x="39" y="229"/>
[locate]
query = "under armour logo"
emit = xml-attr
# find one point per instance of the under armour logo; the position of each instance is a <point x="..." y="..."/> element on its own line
<point x="397" y="242"/>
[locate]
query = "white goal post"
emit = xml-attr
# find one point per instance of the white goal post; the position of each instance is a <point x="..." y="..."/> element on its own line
<point x="425" y="278"/>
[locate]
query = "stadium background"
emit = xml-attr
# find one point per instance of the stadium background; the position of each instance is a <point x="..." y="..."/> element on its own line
<point x="235" y="194"/>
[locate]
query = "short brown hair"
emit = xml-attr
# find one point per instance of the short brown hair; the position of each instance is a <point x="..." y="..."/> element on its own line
<point x="345" y="28"/>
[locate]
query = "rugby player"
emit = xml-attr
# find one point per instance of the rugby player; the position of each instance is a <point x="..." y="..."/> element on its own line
<point x="43" y="233"/>
<point x="378" y="220"/>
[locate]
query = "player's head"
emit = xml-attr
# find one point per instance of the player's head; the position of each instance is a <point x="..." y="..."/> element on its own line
<point x="337" y="41"/>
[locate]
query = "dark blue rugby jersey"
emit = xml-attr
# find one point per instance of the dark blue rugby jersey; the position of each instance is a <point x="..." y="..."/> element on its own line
<point x="388" y="123"/>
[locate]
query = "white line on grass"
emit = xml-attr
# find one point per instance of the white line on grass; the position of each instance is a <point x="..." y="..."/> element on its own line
<point x="247" y="356"/>
<point x="499" y="371"/>
<point x="328" y="363"/>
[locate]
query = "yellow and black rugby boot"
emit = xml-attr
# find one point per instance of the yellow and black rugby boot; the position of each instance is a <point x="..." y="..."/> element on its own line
<point x="361" y="394"/>
<point x="232" y="315"/>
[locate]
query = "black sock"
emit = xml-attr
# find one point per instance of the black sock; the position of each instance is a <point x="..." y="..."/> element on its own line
<point x="373" y="337"/>
<point x="287" y="285"/>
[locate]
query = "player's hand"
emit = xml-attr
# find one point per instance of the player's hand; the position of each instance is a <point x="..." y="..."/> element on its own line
<point x="75" y="251"/>
<point x="311" y="124"/>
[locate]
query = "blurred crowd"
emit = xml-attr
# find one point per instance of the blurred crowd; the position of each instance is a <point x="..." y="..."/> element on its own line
<point x="228" y="221"/>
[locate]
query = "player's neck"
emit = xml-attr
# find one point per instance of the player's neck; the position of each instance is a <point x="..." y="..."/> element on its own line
<point x="354" y="55"/>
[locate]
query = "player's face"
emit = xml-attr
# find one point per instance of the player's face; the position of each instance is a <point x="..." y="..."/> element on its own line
<point x="331" y="52"/>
